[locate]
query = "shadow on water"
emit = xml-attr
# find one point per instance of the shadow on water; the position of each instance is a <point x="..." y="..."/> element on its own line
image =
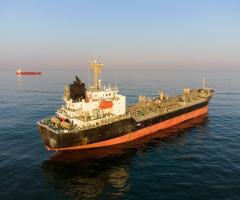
<point x="103" y="173"/>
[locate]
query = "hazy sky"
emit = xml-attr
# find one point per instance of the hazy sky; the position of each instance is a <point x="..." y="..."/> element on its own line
<point x="164" y="34"/>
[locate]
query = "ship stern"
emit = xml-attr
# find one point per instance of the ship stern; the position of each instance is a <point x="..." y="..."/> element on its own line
<point x="48" y="136"/>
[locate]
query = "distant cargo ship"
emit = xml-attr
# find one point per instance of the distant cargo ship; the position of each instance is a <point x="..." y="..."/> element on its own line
<point x="20" y="72"/>
<point x="97" y="116"/>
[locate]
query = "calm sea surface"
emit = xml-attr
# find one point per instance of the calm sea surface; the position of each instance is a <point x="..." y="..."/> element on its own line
<point x="197" y="160"/>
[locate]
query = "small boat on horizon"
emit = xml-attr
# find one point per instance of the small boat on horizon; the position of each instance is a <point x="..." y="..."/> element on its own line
<point x="20" y="72"/>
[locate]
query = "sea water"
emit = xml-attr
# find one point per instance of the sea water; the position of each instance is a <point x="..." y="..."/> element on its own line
<point x="199" y="159"/>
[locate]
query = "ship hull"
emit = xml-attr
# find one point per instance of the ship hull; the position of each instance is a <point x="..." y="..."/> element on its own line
<point x="114" y="136"/>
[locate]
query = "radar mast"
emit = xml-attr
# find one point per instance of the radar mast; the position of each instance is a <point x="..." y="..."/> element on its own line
<point x="96" y="69"/>
<point x="204" y="82"/>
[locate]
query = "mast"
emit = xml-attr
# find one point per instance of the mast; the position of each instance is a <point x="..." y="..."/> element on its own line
<point x="204" y="82"/>
<point x="96" y="69"/>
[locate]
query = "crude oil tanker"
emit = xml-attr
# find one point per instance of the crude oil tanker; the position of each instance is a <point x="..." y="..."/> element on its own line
<point x="97" y="116"/>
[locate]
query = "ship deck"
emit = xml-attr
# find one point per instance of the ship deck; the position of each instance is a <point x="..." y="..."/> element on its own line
<point x="138" y="112"/>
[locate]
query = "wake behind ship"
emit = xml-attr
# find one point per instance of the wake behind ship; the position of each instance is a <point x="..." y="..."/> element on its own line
<point x="97" y="116"/>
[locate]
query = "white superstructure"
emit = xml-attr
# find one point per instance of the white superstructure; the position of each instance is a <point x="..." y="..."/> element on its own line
<point x="101" y="103"/>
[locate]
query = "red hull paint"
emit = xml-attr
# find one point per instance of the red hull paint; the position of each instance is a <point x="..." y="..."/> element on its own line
<point x="140" y="133"/>
<point x="29" y="73"/>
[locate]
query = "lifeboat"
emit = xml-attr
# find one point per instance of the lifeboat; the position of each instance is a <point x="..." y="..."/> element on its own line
<point x="106" y="104"/>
